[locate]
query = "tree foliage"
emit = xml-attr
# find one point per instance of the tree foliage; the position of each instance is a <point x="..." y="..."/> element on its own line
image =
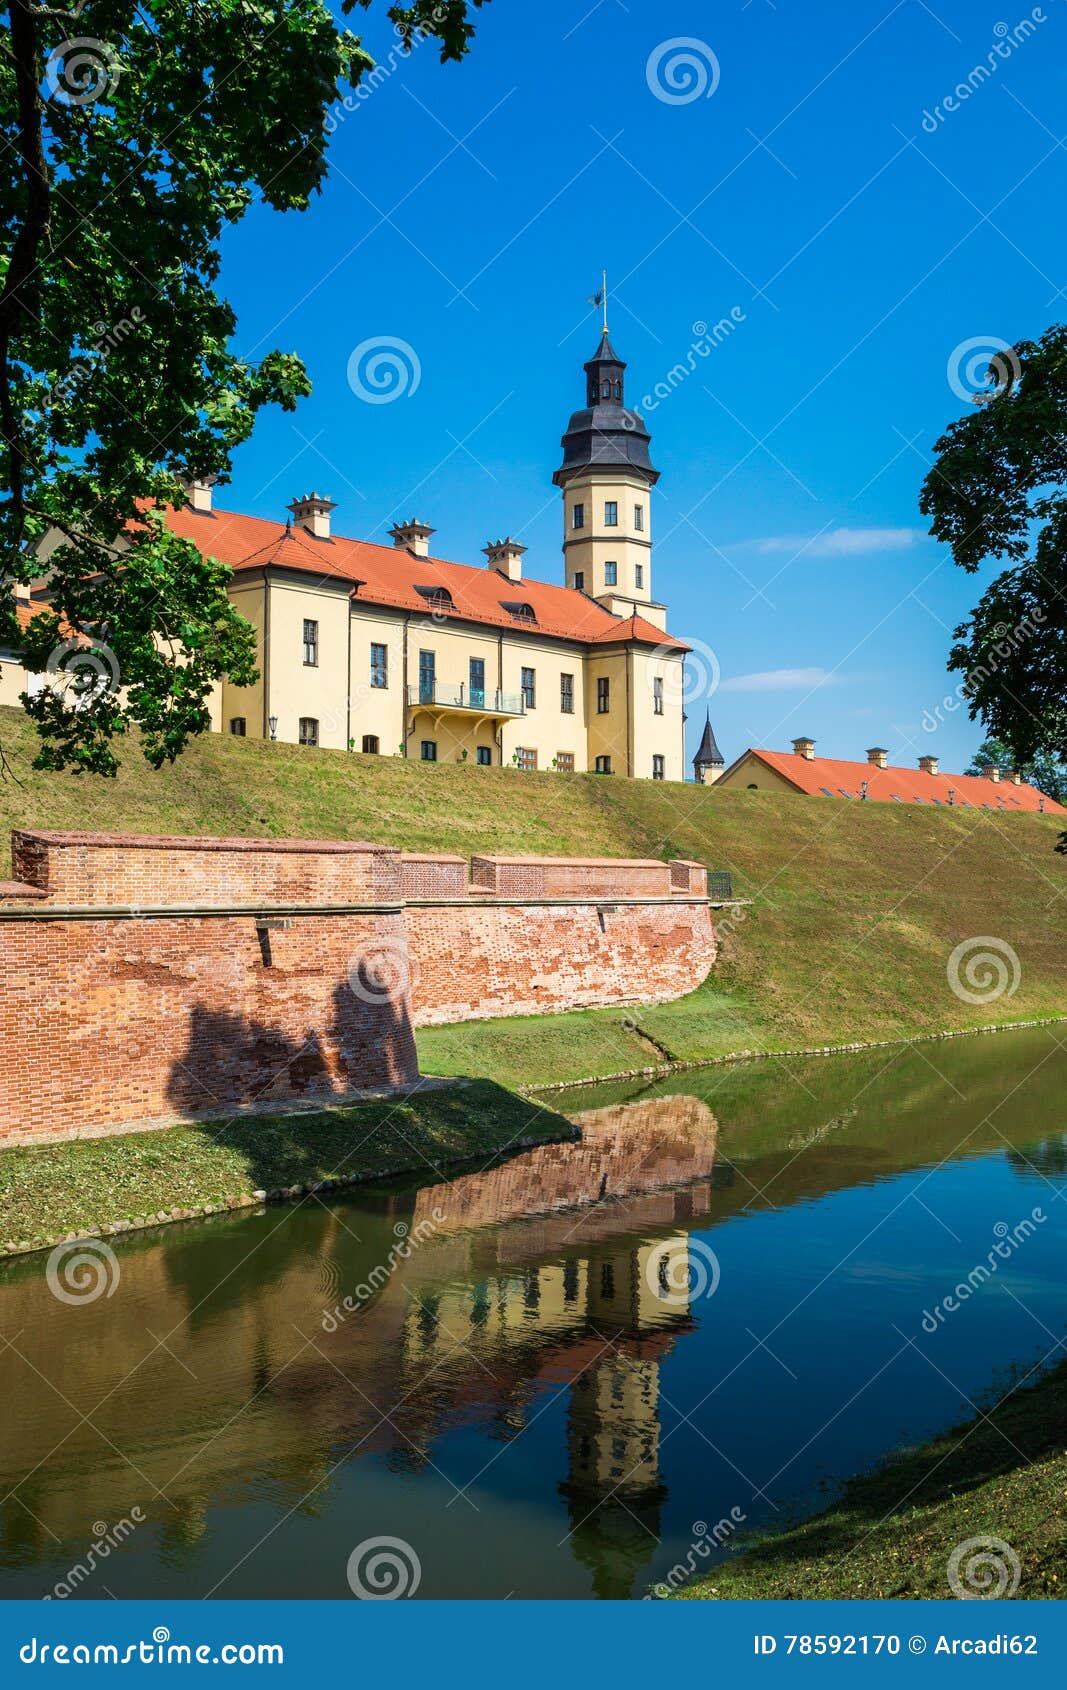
<point x="134" y="133"/>
<point x="1045" y="771"/>
<point x="998" y="493"/>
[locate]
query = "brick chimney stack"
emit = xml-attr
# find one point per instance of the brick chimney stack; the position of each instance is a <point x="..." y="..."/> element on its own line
<point x="1016" y="777"/>
<point x="412" y="536"/>
<point x="990" y="771"/>
<point x="805" y="748"/>
<point x="312" y="511"/>
<point x="506" y="556"/>
<point x="929" y="765"/>
<point x="878" y="756"/>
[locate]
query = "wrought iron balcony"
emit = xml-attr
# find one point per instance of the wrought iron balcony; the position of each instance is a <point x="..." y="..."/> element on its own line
<point x="481" y="701"/>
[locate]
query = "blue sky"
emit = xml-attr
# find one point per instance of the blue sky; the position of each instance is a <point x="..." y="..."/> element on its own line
<point x="860" y="232"/>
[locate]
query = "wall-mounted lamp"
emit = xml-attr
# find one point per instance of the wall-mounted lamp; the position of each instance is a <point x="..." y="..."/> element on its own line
<point x="272" y="723"/>
<point x="952" y="794"/>
<point x="863" y="789"/>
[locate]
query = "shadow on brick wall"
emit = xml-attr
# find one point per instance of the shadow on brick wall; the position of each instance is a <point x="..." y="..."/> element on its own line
<point x="235" y="1061"/>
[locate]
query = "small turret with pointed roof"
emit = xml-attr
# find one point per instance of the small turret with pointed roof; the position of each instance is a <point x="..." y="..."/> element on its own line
<point x="709" y="762"/>
<point x="605" y="433"/>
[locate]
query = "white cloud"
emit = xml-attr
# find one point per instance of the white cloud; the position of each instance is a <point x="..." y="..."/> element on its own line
<point x="841" y="542"/>
<point x="778" y="680"/>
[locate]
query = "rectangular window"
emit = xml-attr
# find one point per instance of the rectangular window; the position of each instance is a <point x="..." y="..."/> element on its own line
<point x="428" y="751"/>
<point x="427" y="677"/>
<point x="238" y="726"/>
<point x="370" y="744"/>
<point x="309" y="730"/>
<point x="579" y="581"/>
<point x="578" y="516"/>
<point x="603" y="765"/>
<point x="657" y="695"/>
<point x="311" y="643"/>
<point x="611" y="513"/>
<point x="565" y="762"/>
<point x="639" y="575"/>
<point x="485" y="755"/>
<point x="529" y="691"/>
<point x="639" y="518"/>
<point x="477" y="680"/>
<point x="611" y="575"/>
<point x="379" y="665"/>
<point x="566" y="694"/>
<point x="603" y="696"/>
<point x="525" y="758"/>
<point x="657" y="768"/>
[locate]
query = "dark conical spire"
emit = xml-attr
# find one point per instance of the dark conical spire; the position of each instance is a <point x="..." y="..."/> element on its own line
<point x="604" y="373"/>
<point x="708" y="754"/>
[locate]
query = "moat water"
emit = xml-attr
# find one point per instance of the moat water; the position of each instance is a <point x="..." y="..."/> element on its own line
<point x="560" y="1375"/>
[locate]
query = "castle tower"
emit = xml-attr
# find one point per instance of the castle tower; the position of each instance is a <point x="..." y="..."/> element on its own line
<point x="606" y="478"/>
<point x="708" y="763"/>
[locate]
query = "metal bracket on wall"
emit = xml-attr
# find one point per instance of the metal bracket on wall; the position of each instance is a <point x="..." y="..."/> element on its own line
<point x="265" y="925"/>
<point x="605" y="909"/>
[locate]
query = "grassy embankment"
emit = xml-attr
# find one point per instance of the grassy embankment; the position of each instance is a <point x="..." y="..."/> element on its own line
<point x="49" y="1190"/>
<point x="893" y="1531"/>
<point x="855" y="908"/>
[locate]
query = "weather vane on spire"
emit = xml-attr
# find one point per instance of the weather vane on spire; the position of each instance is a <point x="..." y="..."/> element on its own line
<point x="600" y="298"/>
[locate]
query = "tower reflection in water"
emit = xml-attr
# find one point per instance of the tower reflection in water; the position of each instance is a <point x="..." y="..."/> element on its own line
<point x="594" y="1299"/>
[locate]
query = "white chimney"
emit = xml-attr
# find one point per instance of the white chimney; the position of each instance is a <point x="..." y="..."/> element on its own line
<point x="312" y="511"/>
<point x="198" y="493"/>
<point x="990" y="771"/>
<point x="1016" y="777"/>
<point x="413" y="537"/>
<point x="506" y="556"/>
<point x="805" y="748"/>
<point x="878" y="756"/>
<point x="929" y="765"/>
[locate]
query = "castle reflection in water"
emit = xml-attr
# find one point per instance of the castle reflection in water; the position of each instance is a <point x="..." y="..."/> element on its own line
<point x="561" y="1272"/>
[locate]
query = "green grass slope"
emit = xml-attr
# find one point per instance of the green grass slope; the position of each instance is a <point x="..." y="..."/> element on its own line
<point x="855" y="908"/>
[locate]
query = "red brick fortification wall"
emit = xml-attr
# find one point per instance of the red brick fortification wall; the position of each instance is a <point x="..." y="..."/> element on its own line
<point x="470" y="963"/>
<point x="571" y="877"/>
<point x="118" y="1020"/>
<point x="148" y="979"/>
<point x="142" y="870"/>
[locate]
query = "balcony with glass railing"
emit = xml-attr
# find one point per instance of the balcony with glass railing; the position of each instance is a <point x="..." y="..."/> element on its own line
<point x="482" y="701"/>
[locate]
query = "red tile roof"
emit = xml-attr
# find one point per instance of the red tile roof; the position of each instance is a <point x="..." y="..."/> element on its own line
<point x="387" y="575"/>
<point x="832" y="776"/>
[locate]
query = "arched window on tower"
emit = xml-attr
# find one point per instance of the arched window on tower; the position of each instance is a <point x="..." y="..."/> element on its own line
<point x="605" y="390"/>
<point x="618" y="390"/>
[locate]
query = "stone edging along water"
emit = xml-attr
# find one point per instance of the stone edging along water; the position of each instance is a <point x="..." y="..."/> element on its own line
<point x="663" y="1070"/>
<point x="259" y="1199"/>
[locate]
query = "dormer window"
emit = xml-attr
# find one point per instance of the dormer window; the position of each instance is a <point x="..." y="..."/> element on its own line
<point x="521" y="611"/>
<point x="439" y="597"/>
